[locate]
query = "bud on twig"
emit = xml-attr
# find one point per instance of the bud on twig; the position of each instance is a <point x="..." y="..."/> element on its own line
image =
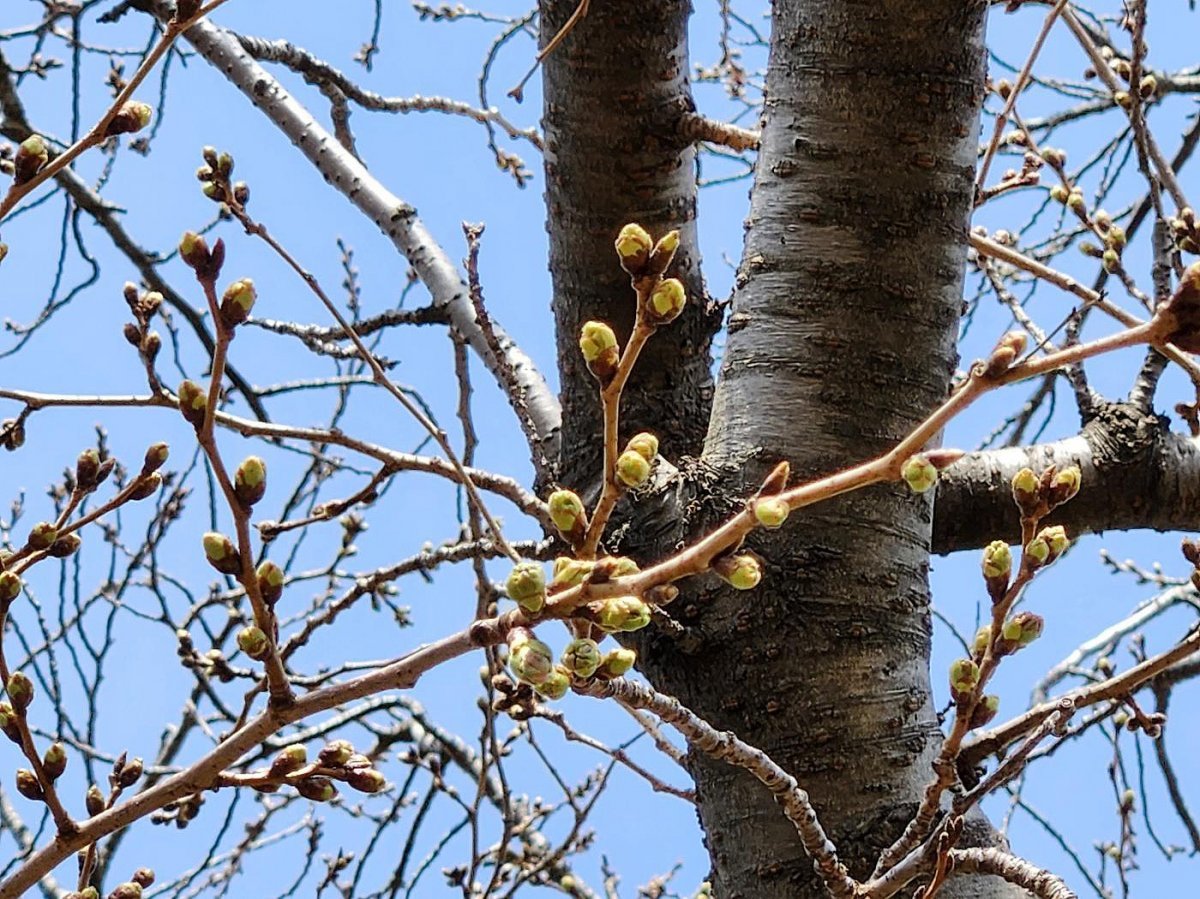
<point x="221" y="553"/>
<point x="270" y="582"/>
<point x="335" y="753"/>
<point x="32" y="155"/>
<point x="20" y="691"/>
<point x="133" y="116"/>
<point x="644" y="444"/>
<point x="997" y="568"/>
<point x="919" y="473"/>
<point x="42" y="535"/>
<point x="146" y="486"/>
<point x="598" y="343"/>
<point x="1063" y="486"/>
<point x="568" y="514"/>
<point x="254" y="643"/>
<point x="556" y="684"/>
<point x="570" y="572"/>
<point x="130" y="772"/>
<point x="87" y="468"/>
<point x="622" y="613"/>
<point x="526" y="586"/>
<point x="64" y="546"/>
<point x="529" y="658"/>
<point x="617" y="663"/>
<point x="54" y="762"/>
<point x="10" y="587"/>
<point x="290" y="758"/>
<point x="318" y="789"/>
<point x="94" y="801"/>
<point x="666" y="301"/>
<point x="1021" y="630"/>
<point x="193" y="403"/>
<point x="9" y="723"/>
<point x="964" y="678"/>
<point x="237" y="302"/>
<point x="633" y="470"/>
<point x="250" y="480"/>
<point x="366" y="780"/>
<point x="742" y="572"/>
<point x="28" y="786"/>
<point x="633" y="245"/>
<point x="582" y="657"/>
<point x="156" y="457"/>
<point x="985" y="711"/>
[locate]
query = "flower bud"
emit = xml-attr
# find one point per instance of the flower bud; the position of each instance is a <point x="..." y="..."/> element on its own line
<point x="335" y="753"/>
<point x="250" y="480"/>
<point x="526" y="586"/>
<point x="741" y="572"/>
<point x="94" y="801"/>
<point x="632" y="469"/>
<point x="644" y="444"/>
<point x="985" y="711"/>
<point x="667" y="245"/>
<point x="1059" y="194"/>
<point x="193" y="250"/>
<point x="598" y="343"/>
<point x="42" y="535"/>
<point x="1025" y="490"/>
<point x="366" y="780"/>
<point x="28" y="786"/>
<point x="270" y="582"/>
<point x="133" y="116"/>
<point x="530" y="660"/>
<point x="1111" y="261"/>
<point x="10" y="587"/>
<point x="31" y="156"/>
<point x="919" y="473"/>
<point x="193" y="403"/>
<point x="617" y="663"/>
<point x="1064" y="486"/>
<point x="87" y="467"/>
<point x="1116" y="237"/>
<point x="568" y="514"/>
<point x="54" y="762"/>
<point x="317" y="789"/>
<point x="964" y="678"/>
<point x="143" y="877"/>
<point x="771" y="512"/>
<point x="997" y="561"/>
<point x="146" y="486"/>
<point x="131" y="772"/>
<point x="1037" y="552"/>
<point x="570" y="572"/>
<point x="156" y="457"/>
<point x="65" y="546"/>
<point x="20" y="690"/>
<point x="290" y="758"/>
<point x="622" y="613"/>
<point x="667" y="301"/>
<point x="582" y="657"/>
<point x="9" y="722"/>
<point x="1022" y="629"/>
<point x="1056" y="538"/>
<point x="633" y="246"/>
<point x="221" y="553"/>
<point x="237" y="302"/>
<point x="1076" y="202"/>
<point x="983" y="639"/>
<point x="253" y="642"/>
<point x="556" y="684"/>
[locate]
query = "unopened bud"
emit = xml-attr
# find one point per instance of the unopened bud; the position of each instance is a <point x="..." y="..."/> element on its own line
<point x="633" y="246"/>
<point x="42" y="535"/>
<point x="986" y="710"/>
<point x="622" y="613"/>
<point x="237" y="302"/>
<point x="1023" y="628"/>
<point x="632" y="469"/>
<point x="193" y="403"/>
<point x="1060" y="194"/>
<point x="983" y="639"/>
<point x="530" y="660"/>
<point x="28" y="786"/>
<point x="1025" y="490"/>
<point x="131" y="772"/>
<point x="143" y="877"/>
<point x="964" y="677"/>
<point x="997" y="561"/>
<point x="568" y="514"/>
<point x="318" y="789"/>
<point x="1064" y="486"/>
<point x="221" y="553"/>
<point x="290" y="758"/>
<point x="556" y="684"/>
<point x="10" y="587"/>
<point x="366" y="780"/>
<point x="919" y="473"/>
<point x="87" y="467"/>
<point x="667" y="301"/>
<point x="146" y="486"/>
<point x="617" y="663"/>
<point x="335" y="753"/>
<point x="771" y="512"/>
<point x="253" y="642"/>
<point x="1056" y="538"/>
<point x="250" y="480"/>
<point x="270" y="582"/>
<point x="20" y="690"/>
<point x="598" y="343"/>
<point x="65" y="546"/>
<point x="54" y="762"/>
<point x="526" y="586"/>
<point x="133" y="116"/>
<point x="9" y="722"/>
<point x="94" y="801"/>
<point x="742" y="572"/>
<point x="156" y="457"/>
<point x="582" y="657"/>
<point x="644" y="444"/>
<point x="570" y="572"/>
<point x="32" y="154"/>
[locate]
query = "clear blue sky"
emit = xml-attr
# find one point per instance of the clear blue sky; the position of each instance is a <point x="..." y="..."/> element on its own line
<point x="444" y="168"/>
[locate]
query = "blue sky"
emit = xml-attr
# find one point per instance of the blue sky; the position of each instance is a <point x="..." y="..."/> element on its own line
<point x="444" y="168"/>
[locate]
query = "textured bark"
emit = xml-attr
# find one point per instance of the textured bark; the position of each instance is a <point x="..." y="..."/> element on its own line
<point x="615" y="90"/>
<point x="1136" y="474"/>
<point x="842" y="338"/>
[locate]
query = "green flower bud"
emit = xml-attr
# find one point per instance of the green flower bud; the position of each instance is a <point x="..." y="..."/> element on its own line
<point x="9" y="722"/>
<point x="644" y="444"/>
<point x="42" y="535"/>
<point x="20" y="690"/>
<point x="10" y="587"/>
<point x="622" y="613"/>
<point x="31" y="156"/>
<point x="771" y="512"/>
<point x="598" y="343"/>
<point x="290" y="758"/>
<point x="1037" y="552"/>
<point x="250" y="480"/>
<point x="1060" y="194"/>
<point x="1065" y="485"/>
<point x="147" y="486"/>
<point x="556" y="684"/>
<point x="1116" y="237"/>
<point x="270" y="582"/>
<point x="582" y="657"/>
<point x="65" y="546"/>
<point x="526" y="586"/>
<point x="1111" y="260"/>
<point x="253" y="642"/>
<point x="193" y="403"/>
<point x="570" y="572"/>
<point x="633" y="246"/>
<point x="156" y="457"/>
<point x="237" y="302"/>
<point x="318" y="789"/>
<point x="335" y="753"/>
<point x="667" y="244"/>
<point x="964" y="677"/>
<point x="1023" y="628"/>
<point x="89" y="893"/>
<point x="983" y="639"/>
<point x="28" y="786"/>
<point x="1076" y="202"/>
<point x="568" y="514"/>
<point x="1087" y="248"/>
<point x="742" y="572"/>
<point x="530" y="660"/>
<point x="632" y="469"/>
<point x="919" y="473"/>
<point x="131" y="117"/>
<point x="617" y="663"/>
<point x="1025" y="490"/>
<point x="193" y="249"/>
<point x="997" y="561"/>
<point x="1057" y="539"/>
<point x="94" y="801"/>
<point x="366" y="780"/>
<point x="986" y="710"/>
<point x="54" y="762"/>
<point x="667" y="301"/>
<point x="221" y="553"/>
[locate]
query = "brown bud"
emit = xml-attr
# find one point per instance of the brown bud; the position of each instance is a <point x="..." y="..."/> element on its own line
<point x="146" y="486"/>
<point x="94" y="801"/>
<point x="28" y="786"/>
<point x="237" y="301"/>
<point x="156" y="457"/>
<point x="318" y="789"/>
<point x="193" y="403"/>
<point x="221" y="553"/>
<point x="130" y="773"/>
<point x="366" y="780"/>
<point x="291" y="758"/>
<point x="87" y="467"/>
<point x="31" y="156"/>
<point x="335" y="753"/>
<point x="64" y="546"/>
<point x="54" y="762"/>
<point x="131" y="117"/>
<point x="270" y="582"/>
<point x="20" y="690"/>
<point x="250" y="480"/>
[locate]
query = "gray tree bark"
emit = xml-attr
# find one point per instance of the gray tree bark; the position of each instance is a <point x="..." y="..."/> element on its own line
<point x="842" y="338"/>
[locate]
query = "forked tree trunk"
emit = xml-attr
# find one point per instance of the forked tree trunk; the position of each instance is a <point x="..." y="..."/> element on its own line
<point x="842" y="338"/>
